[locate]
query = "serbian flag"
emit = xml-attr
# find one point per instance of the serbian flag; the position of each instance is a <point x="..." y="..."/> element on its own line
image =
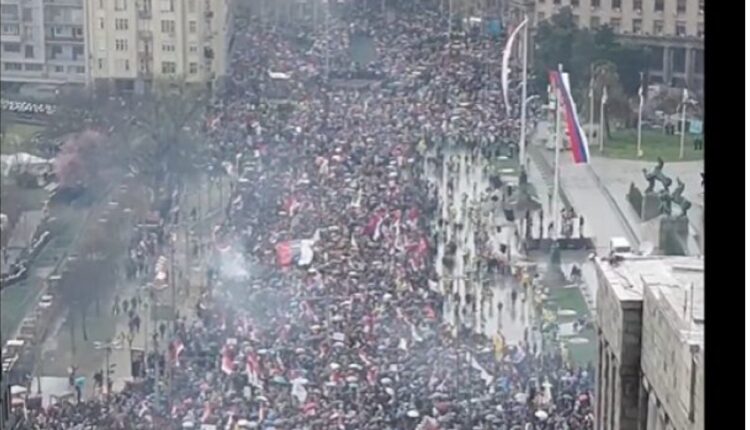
<point x="579" y="144"/>
<point x="310" y="408"/>
<point x="372" y="228"/>
<point x="227" y="360"/>
<point x="290" y="205"/>
<point x="252" y="367"/>
<point x="417" y="251"/>
<point x="294" y="251"/>
<point x="372" y="375"/>
<point x="175" y="349"/>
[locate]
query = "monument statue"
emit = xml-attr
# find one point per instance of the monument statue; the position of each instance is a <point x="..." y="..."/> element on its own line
<point x="657" y="175"/>
<point x="679" y="200"/>
<point x="665" y="203"/>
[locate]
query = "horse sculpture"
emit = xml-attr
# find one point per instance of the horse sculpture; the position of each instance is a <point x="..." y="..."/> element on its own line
<point x="679" y="200"/>
<point x="657" y="175"/>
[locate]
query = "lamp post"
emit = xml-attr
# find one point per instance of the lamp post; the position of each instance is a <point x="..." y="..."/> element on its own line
<point x="107" y="347"/>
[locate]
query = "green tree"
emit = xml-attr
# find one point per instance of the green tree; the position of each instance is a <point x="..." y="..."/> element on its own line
<point x="167" y="120"/>
<point x="618" y="106"/>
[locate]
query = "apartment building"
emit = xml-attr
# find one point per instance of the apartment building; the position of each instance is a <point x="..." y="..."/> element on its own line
<point x="650" y="319"/>
<point x="42" y="41"/>
<point x="672" y="29"/>
<point x="133" y="42"/>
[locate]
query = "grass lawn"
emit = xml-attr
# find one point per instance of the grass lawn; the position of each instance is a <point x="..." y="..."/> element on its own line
<point x="654" y="144"/>
<point x="15" y="137"/>
<point x="571" y="298"/>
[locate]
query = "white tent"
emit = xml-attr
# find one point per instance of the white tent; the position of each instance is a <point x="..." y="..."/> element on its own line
<point x="10" y="162"/>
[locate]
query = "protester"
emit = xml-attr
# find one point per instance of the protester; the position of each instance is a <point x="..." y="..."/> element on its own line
<point x="338" y="327"/>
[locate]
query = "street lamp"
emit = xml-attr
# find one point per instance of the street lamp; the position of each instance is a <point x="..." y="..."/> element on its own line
<point x="107" y="347"/>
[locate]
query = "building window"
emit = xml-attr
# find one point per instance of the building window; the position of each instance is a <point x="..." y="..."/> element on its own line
<point x="28" y="32"/>
<point x="681" y="6"/>
<point x="680" y="28"/>
<point x="595" y="22"/>
<point x="58" y="69"/>
<point x="13" y="66"/>
<point x="540" y="17"/>
<point x="192" y="27"/>
<point x="616" y="4"/>
<point x="701" y="30"/>
<point x="121" y="5"/>
<point x="80" y="69"/>
<point x="167" y="47"/>
<point x="659" y="5"/>
<point x="637" y="5"/>
<point x="9" y="12"/>
<point x="167" y="26"/>
<point x="101" y="23"/>
<point x="193" y="68"/>
<point x="121" y="24"/>
<point x="194" y="48"/>
<point x="637" y="26"/>
<point x="101" y="4"/>
<point x="557" y="2"/>
<point x="167" y="5"/>
<point x="658" y="27"/>
<point x="191" y="6"/>
<point x="28" y="14"/>
<point x="78" y="32"/>
<point x="34" y="67"/>
<point x="168" y="67"/>
<point x="100" y="63"/>
<point x="11" y="29"/>
<point x="28" y="51"/>
<point x="12" y="47"/>
<point x="615" y="24"/>
<point x="77" y="52"/>
<point x="595" y="3"/>
<point x="121" y="44"/>
<point x="575" y="3"/>
<point x="701" y="6"/>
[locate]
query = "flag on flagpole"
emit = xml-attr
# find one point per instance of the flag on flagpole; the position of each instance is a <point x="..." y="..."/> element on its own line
<point x="578" y="142"/>
<point x="505" y="74"/>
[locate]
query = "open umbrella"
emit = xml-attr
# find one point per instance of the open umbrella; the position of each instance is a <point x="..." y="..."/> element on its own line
<point x="541" y="415"/>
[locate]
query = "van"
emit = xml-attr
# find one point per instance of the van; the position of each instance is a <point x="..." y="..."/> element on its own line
<point x="619" y="245"/>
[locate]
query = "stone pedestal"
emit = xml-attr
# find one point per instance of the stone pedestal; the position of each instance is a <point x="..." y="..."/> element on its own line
<point x="673" y="235"/>
<point x="646" y="205"/>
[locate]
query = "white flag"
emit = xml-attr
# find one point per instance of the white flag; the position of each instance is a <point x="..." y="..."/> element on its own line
<point x="506" y="60"/>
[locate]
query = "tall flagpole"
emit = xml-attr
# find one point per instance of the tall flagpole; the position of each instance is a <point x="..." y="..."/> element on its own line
<point x="684" y="114"/>
<point x="639" y="153"/>
<point x="556" y="184"/>
<point x="601" y="119"/>
<point x="591" y="105"/>
<point x="525" y="54"/>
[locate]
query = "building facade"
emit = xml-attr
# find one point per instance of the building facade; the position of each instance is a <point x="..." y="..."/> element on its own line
<point x="43" y="41"/>
<point x="673" y="30"/>
<point x="127" y="43"/>
<point x="133" y="42"/>
<point x="650" y="374"/>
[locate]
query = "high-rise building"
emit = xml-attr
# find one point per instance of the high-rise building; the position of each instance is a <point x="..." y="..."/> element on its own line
<point x="43" y="41"/>
<point x="673" y="30"/>
<point x="133" y="42"/>
<point x="650" y="319"/>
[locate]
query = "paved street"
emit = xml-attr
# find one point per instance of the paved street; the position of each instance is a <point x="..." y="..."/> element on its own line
<point x="469" y="178"/>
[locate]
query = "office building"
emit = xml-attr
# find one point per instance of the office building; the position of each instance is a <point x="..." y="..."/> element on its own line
<point x="650" y="318"/>
<point x="133" y="42"/>
<point x="43" y="41"/>
<point x="673" y="30"/>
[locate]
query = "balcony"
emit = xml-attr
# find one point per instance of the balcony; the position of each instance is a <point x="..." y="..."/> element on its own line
<point x="72" y="3"/>
<point x="63" y="38"/>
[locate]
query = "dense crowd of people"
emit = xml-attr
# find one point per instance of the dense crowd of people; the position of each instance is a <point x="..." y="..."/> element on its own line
<point x="335" y="323"/>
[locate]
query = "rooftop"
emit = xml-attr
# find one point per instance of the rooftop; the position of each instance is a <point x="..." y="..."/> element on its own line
<point x="677" y="282"/>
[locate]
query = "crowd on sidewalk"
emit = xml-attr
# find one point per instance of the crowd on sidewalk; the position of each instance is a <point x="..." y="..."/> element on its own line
<point x="342" y="328"/>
